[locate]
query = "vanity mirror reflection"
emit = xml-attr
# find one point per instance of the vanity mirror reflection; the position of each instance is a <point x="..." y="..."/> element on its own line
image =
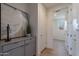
<point x="16" y="20"/>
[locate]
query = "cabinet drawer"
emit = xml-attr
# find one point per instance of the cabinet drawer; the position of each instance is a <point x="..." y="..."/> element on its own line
<point x="16" y="52"/>
<point x="12" y="46"/>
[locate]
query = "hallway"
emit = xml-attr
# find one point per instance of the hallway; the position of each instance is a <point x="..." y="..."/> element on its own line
<point x="58" y="28"/>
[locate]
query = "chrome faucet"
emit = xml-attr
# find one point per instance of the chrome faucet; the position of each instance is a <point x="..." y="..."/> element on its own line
<point x="8" y="38"/>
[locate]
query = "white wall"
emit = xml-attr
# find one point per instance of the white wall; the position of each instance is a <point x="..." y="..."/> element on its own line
<point x="33" y="12"/>
<point x="42" y="24"/>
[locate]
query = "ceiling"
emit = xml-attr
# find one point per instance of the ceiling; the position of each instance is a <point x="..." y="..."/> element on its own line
<point x="51" y="5"/>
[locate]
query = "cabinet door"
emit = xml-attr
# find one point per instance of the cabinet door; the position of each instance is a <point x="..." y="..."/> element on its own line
<point x="16" y="52"/>
<point x="29" y="49"/>
<point x="0" y="51"/>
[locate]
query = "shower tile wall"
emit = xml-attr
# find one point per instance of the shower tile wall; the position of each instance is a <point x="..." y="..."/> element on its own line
<point x="72" y="43"/>
<point x="69" y="40"/>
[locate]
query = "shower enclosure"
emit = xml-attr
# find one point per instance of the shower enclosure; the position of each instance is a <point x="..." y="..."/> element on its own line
<point x="66" y="23"/>
<point x="72" y="42"/>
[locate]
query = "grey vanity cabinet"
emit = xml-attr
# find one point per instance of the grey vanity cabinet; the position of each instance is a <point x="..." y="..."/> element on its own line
<point x="14" y="49"/>
<point x="20" y="48"/>
<point x="0" y="51"/>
